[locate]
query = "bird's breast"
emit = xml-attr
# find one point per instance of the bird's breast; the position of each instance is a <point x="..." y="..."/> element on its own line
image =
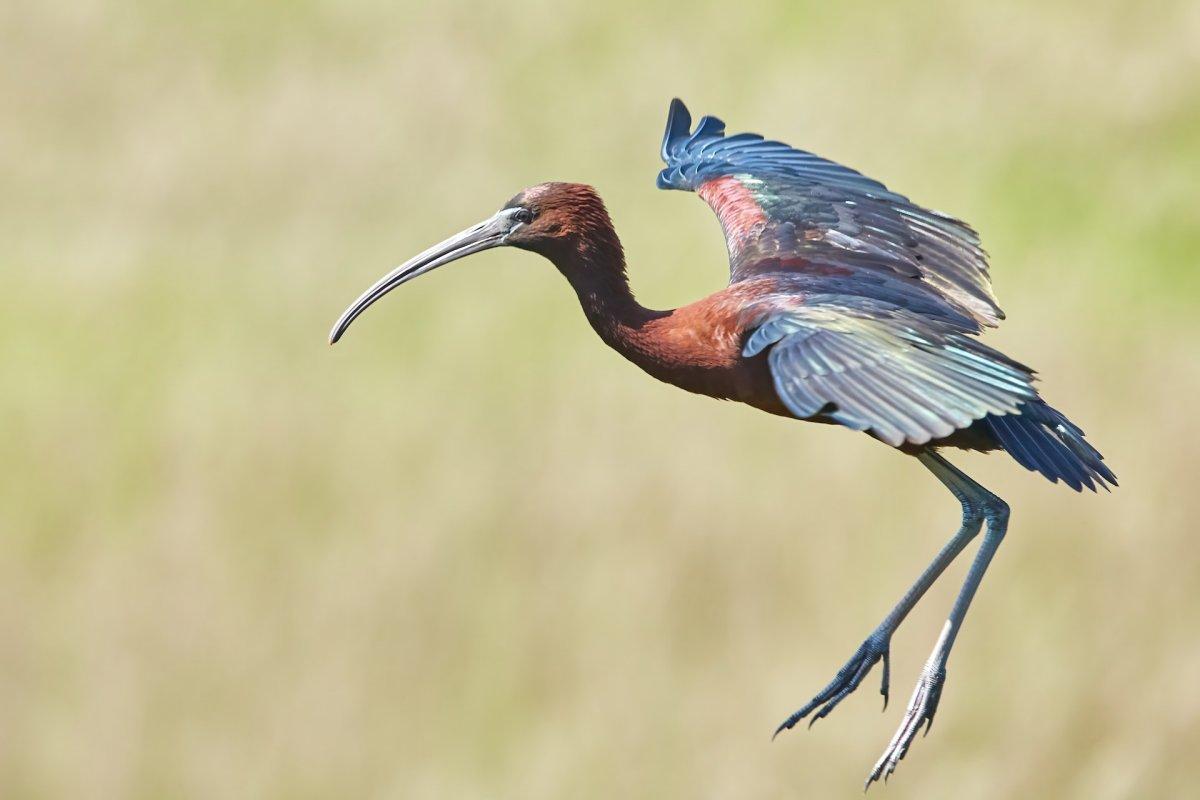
<point x="699" y="349"/>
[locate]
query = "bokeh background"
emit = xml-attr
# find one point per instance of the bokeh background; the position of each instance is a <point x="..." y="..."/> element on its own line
<point x="470" y="553"/>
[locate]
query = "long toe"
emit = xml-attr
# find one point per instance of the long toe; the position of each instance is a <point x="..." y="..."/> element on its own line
<point x="848" y="678"/>
<point x="920" y="711"/>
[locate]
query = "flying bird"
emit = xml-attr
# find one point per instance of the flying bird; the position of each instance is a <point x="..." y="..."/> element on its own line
<point x="847" y="304"/>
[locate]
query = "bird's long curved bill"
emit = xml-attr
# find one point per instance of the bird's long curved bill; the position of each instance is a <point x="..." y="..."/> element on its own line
<point x="487" y="234"/>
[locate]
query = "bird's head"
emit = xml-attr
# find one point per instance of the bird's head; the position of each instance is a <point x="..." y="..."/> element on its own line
<point x="565" y="222"/>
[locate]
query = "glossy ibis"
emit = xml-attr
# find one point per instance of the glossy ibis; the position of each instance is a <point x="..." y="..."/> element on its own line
<point x="847" y="304"/>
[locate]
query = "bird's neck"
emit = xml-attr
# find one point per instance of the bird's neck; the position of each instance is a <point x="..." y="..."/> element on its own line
<point x="596" y="271"/>
<point x="615" y="314"/>
<point x="695" y="347"/>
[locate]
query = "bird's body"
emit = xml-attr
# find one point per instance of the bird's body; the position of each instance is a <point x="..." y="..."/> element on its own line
<point x="702" y="347"/>
<point x="847" y="304"/>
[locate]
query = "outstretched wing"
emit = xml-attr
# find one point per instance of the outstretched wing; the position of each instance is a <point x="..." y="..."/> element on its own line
<point x="788" y="211"/>
<point x="902" y="376"/>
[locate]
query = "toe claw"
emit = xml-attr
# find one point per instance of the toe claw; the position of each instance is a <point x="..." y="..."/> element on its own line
<point x="887" y="673"/>
<point x="919" y="714"/>
<point x="847" y="679"/>
<point x="786" y="725"/>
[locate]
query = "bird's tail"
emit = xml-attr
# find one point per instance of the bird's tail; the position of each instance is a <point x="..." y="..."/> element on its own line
<point x="1042" y="439"/>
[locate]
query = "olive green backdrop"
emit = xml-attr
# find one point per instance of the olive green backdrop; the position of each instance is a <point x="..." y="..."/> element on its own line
<point x="470" y="553"/>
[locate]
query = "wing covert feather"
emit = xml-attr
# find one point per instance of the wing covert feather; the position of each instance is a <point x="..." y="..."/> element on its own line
<point x="904" y="378"/>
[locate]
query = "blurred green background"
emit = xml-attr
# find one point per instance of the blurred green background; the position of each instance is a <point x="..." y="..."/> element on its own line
<point x="470" y="553"/>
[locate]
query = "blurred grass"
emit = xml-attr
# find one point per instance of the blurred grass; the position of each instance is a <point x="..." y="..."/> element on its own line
<point x="470" y="553"/>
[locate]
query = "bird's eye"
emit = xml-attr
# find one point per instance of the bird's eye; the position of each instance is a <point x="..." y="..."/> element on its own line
<point x="523" y="215"/>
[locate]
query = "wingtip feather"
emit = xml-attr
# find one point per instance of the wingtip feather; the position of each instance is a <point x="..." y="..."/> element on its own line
<point x="1041" y="439"/>
<point x="679" y="125"/>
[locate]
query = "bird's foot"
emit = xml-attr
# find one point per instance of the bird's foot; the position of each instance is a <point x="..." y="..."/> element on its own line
<point x="871" y="651"/>
<point x="921" y="709"/>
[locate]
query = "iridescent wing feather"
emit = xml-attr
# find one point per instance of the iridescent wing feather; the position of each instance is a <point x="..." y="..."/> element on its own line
<point x="870" y="301"/>
<point x="787" y="210"/>
<point x="903" y="377"/>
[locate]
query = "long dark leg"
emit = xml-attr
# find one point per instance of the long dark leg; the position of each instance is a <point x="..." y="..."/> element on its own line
<point x="924" y="702"/>
<point x="876" y="646"/>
